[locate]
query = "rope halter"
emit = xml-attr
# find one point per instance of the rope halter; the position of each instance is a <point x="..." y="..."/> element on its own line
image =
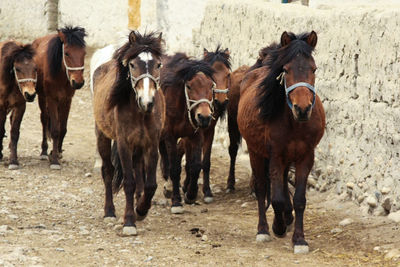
<point x="66" y="66"/>
<point x="289" y="89"/>
<point x="23" y="80"/>
<point x="190" y="104"/>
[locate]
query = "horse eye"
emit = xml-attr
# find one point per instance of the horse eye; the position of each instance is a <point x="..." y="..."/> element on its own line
<point x="18" y="69"/>
<point x="132" y="65"/>
<point x="314" y="70"/>
<point x="67" y="54"/>
<point x="159" y="66"/>
<point x="188" y="87"/>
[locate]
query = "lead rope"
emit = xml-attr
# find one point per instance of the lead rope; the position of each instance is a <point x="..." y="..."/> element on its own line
<point x="195" y="103"/>
<point x="66" y="66"/>
<point x="23" y="80"/>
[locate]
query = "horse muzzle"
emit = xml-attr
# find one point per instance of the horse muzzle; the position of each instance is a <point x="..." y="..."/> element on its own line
<point x="203" y="121"/>
<point x="302" y="114"/>
<point x="146" y="107"/>
<point x="77" y="85"/>
<point x="29" y="97"/>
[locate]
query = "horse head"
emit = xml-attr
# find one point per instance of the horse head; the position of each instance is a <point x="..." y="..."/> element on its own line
<point x="299" y="78"/>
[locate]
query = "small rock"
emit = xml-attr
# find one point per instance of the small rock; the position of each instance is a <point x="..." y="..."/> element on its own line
<point x="360" y="198"/>
<point x="385" y="190"/>
<point x="311" y="182"/>
<point x="204" y="210"/>
<point x="148" y="259"/>
<point x="137" y="242"/>
<point x="5" y="228"/>
<point x="336" y="230"/>
<point x="88" y="174"/>
<point x="12" y="216"/>
<point x="60" y="250"/>
<point x="377" y="248"/>
<point x="350" y="185"/>
<point x="393" y="254"/>
<point x="162" y="202"/>
<point x="118" y="227"/>
<point x="244" y="205"/>
<point x="217" y="190"/>
<point x="204" y="238"/>
<point x="395" y="216"/>
<point x="345" y="222"/>
<point x="387" y="204"/>
<point x="372" y="201"/>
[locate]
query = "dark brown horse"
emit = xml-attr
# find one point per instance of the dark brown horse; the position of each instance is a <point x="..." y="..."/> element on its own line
<point x="60" y="60"/>
<point x="129" y="108"/>
<point x="188" y="88"/>
<point x="282" y="120"/>
<point x="18" y="78"/>
<point x="220" y="62"/>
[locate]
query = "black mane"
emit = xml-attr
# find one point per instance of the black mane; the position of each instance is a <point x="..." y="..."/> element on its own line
<point x="271" y="94"/>
<point x="138" y="43"/>
<point x="180" y="69"/>
<point x="218" y="55"/>
<point x="73" y="36"/>
<point x="10" y="53"/>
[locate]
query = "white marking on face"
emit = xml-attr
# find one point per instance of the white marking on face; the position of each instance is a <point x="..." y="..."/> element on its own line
<point x="145" y="56"/>
<point x="146" y="94"/>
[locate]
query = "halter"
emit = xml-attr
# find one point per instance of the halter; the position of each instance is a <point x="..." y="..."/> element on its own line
<point x="23" y="80"/>
<point x="66" y="66"/>
<point x="195" y="103"/>
<point x="282" y="79"/>
<point x="135" y="80"/>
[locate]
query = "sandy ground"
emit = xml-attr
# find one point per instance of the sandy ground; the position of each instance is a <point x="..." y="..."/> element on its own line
<point x="51" y="218"/>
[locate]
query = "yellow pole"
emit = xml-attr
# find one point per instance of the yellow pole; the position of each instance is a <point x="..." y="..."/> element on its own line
<point x="134" y="14"/>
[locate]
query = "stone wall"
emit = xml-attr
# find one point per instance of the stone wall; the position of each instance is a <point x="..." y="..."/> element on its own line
<point x="357" y="79"/>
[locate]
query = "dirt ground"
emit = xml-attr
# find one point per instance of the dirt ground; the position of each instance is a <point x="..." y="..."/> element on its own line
<point x="55" y="218"/>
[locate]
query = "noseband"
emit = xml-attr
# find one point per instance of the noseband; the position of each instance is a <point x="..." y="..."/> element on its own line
<point x="23" y="80"/>
<point x="190" y="104"/>
<point x="289" y="89"/>
<point x="66" y="66"/>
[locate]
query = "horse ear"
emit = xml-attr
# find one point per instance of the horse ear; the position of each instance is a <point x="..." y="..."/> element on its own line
<point x="132" y="37"/>
<point x="160" y="37"/>
<point x="125" y="62"/>
<point x="312" y="39"/>
<point x="61" y="35"/>
<point x="285" y="39"/>
<point x="205" y="52"/>
<point x="226" y="51"/>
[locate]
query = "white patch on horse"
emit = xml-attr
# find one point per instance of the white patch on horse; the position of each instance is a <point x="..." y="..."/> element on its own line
<point x="145" y="56"/>
<point x="146" y="95"/>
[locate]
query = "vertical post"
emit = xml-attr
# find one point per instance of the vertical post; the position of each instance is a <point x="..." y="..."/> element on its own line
<point x="51" y="11"/>
<point x="134" y="14"/>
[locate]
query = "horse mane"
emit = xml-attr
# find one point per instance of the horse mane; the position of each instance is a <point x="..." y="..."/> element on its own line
<point x="148" y="42"/>
<point x="73" y="36"/>
<point x="10" y="53"/>
<point x="218" y="55"/>
<point x="271" y="94"/>
<point x="182" y="69"/>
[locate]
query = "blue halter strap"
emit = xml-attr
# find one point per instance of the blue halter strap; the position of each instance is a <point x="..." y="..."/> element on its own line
<point x="294" y="86"/>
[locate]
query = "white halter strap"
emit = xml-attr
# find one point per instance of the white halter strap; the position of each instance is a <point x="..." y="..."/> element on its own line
<point x="66" y="66"/>
<point x="23" y="80"/>
<point x="190" y="104"/>
<point x="135" y="80"/>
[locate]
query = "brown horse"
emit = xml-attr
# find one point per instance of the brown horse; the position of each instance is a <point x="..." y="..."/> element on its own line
<point x="60" y="60"/>
<point x="17" y="85"/>
<point x="282" y="120"/>
<point x="129" y="108"/>
<point x="220" y="62"/>
<point x="188" y="88"/>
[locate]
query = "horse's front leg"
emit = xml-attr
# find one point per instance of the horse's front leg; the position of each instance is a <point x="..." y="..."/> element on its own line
<point x="138" y="168"/>
<point x="165" y="168"/>
<point x="16" y="118"/>
<point x="63" y="116"/>
<point x="125" y="154"/>
<point x="193" y="148"/>
<point x="55" y="133"/>
<point x="207" y="146"/>
<point x="150" y="186"/>
<point x="234" y="141"/>
<point x="303" y="169"/>
<point x="175" y="175"/>
<point x="3" y="117"/>
<point x="44" y="118"/>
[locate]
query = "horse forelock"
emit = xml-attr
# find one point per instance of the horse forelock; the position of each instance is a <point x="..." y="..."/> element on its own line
<point x="220" y="56"/>
<point x="74" y="36"/>
<point x="13" y="52"/>
<point x="271" y="94"/>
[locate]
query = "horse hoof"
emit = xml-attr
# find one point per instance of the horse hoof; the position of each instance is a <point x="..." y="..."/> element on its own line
<point x="140" y="217"/>
<point x="167" y="189"/>
<point x="189" y="201"/>
<point x="263" y="238"/>
<point x="208" y="200"/>
<point x="44" y="157"/>
<point x="301" y="249"/>
<point x="13" y="167"/>
<point x="129" y="231"/>
<point x="177" y="210"/>
<point x="55" y="166"/>
<point x="108" y="220"/>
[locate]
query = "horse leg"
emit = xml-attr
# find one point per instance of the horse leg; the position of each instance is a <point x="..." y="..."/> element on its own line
<point x="150" y="185"/>
<point x="234" y="140"/>
<point x="63" y="116"/>
<point x="129" y="184"/>
<point x="55" y="133"/>
<point x="208" y="140"/>
<point x="278" y="197"/>
<point x="107" y="172"/>
<point x="175" y="174"/>
<point x="3" y="117"/>
<point x="138" y="163"/>
<point x="258" y="166"/>
<point x="193" y="158"/>
<point x="288" y="215"/>
<point x="44" y="118"/>
<point x="16" y="118"/>
<point x="303" y="169"/>
<point x="165" y="169"/>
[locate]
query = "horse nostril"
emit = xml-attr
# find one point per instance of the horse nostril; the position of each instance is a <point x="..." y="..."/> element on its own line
<point x="150" y="106"/>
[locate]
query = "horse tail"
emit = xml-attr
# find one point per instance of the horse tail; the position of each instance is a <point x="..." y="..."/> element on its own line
<point x="116" y="162"/>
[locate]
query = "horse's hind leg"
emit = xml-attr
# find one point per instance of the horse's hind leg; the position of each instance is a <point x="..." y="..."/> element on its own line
<point x="3" y="117"/>
<point x="55" y="133"/>
<point x="259" y="170"/>
<point x="44" y="118"/>
<point x="303" y="169"/>
<point x="288" y="215"/>
<point x="207" y="146"/>
<point x="193" y="151"/>
<point x="16" y="118"/>
<point x="63" y="117"/>
<point x="234" y="140"/>
<point x="138" y="165"/>
<point x="107" y="172"/>
<point x="150" y="186"/>
<point x="165" y="169"/>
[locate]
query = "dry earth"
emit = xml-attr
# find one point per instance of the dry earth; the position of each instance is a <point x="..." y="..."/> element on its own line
<point x="50" y="218"/>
